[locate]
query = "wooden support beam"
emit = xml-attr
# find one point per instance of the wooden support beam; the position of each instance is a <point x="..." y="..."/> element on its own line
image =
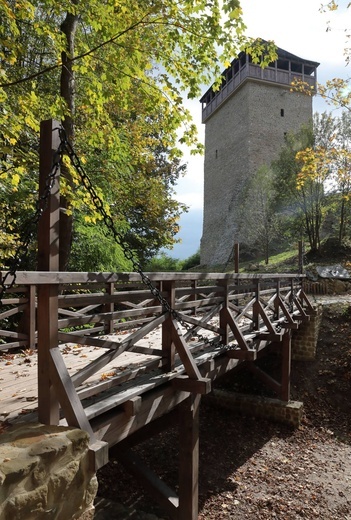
<point x="109" y="308"/>
<point x="269" y="336"/>
<point x="265" y="378"/>
<point x="224" y="312"/>
<point x="202" y="324"/>
<point x="264" y="317"/>
<point x="189" y="458"/>
<point x="151" y="429"/>
<point x="184" y="352"/>
<point x="242" y="355"/>
<point x="208" y="366"/>
<point x="238" y="335"/>
<point x="98" y="455"/>
<point x="30" y="316"/>
<point x="196" y="386"/>
<point x="166" y="497"/>
<point x="289" y="325"/>
<point x="168" y="347"/>
<point x="287" y="315"/>
<point x="302" y="296"/>
<point x="132" y="407"/>
<point x="67" y="395"/>
<point x="303" y="314"/>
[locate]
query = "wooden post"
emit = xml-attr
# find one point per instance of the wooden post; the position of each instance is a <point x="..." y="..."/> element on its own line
<point x="194" y="295"/>
<point x="109" y="307"/>
<point x="300" y="256"/>
<point x="236" y="257"/>
<point x="31" y="316"/>
<point x="255" y="308"/>
<point x="223" y="313"/>
<point x="27" y="322"/>
<point x="286" y="366"/>
<point x="291" y="298"/>
<point x="168" y="347"/>
<point x="48" y="260"/>
<point x="189" y="458"/>
<point x="236" y="267"/>
<point x="276" y="301"/>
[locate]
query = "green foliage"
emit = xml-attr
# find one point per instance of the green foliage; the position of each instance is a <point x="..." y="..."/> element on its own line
<point x="163" y="262"/>
<point x="115" y="73"/>
<point x="313" y="179"/>
<point x="259" y="225"/>
<point x="191" y="261"/>
<point x="93" y="250"/>
<point x="304" y="200"/>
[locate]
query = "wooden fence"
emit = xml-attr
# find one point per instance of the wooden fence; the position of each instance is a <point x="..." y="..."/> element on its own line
<point x="208" y="314"/>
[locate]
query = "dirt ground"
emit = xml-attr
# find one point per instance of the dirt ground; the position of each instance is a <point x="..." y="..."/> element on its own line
<point x="254" y="469"/>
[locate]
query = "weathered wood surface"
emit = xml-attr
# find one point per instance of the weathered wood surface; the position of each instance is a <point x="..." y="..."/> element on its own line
<point x="18" y="375"/>
<point x="211" y="323"/>
<point x="118" y="359"/>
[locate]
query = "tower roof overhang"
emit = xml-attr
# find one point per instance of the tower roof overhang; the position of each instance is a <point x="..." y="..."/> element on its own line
<point x="286" y="68"/>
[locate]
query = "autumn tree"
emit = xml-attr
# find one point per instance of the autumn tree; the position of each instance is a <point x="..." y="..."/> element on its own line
<point x="299" y="182"/>
<point x="315" y="169"/>
<point x="115" y="74"/>
<point x="259" y="221"/>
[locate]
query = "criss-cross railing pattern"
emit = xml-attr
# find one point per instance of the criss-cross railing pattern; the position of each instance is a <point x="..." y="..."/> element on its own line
<point x="231" y="315"/>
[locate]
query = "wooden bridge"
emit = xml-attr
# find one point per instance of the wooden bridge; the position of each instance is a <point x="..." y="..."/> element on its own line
<point x="203" y="325"/>
<point x="132" y="389"/>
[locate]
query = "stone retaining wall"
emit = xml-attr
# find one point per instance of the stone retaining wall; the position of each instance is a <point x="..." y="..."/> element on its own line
<point x="304" y="339"/>
<point x="274" y="409"/>
<point x="45" y="473"/>
<point x="327" y="286"/>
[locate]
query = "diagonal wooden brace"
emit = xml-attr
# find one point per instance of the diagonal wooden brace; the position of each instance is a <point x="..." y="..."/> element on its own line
<point x="235" y="329"/>
<point x="184" y="352"/>
<point x="264" y="316"/>
<point x="285" y="312"/>
<point x="304" y="298"/>
<point x="67" y="394"/>
<point x="303" y="315"/>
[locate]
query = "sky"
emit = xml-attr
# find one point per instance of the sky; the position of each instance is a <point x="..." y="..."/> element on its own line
<point x="296" y="26"/>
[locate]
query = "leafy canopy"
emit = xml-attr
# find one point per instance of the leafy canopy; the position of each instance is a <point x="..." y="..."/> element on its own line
<point x="118" y="71"/>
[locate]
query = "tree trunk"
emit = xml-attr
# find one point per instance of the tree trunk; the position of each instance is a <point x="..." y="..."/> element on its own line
<point x="68" y="27"/>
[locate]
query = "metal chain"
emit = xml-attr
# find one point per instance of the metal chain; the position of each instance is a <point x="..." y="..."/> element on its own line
<point x="30" y="226"/>
<point x="99" y="205"/>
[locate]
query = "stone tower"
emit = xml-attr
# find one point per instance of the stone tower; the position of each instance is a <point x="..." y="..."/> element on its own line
<point x="246" y="123"/>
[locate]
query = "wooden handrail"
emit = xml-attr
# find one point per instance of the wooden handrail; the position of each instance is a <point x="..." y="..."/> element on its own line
<point x="57" y="277"/>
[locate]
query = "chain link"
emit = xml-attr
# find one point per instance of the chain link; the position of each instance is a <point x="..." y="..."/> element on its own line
<point x="29" y="230"/>
<point x="99" y="205"/>
<point x="30" y="226"/>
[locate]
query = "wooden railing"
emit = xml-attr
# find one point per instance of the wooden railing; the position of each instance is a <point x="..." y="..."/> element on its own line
<point x="211" y="313"/>
<point x="204" y="325"/>
<point x="90" y="304"/>
<point x="279" y="76"/>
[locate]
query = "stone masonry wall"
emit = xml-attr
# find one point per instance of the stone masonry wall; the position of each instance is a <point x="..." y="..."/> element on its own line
<point x="274" y="409"/>
<point x="246" y="132"/>
<point x="45" y="474"/>
<point x="304" y="339"/>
